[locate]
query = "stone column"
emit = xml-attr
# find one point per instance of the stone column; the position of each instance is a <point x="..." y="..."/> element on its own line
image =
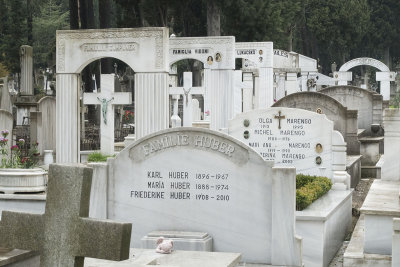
<point x="5" y="102"/>
<point x="280" y="89"/>
<point x="291" y="86"/>
<point x="221" y="98"/>
<point x="248" y="86"/>
<point x="237" y="92"/>
<point x="391" y="165"/>
<point x="35" y="127"/>
<point x="265" y="88"/>
<point x="351" y="138"/>
<point x="207" y="86"/>
<point x="26" y="54"/>
<point x="340" y="179"/>
<point x="377" y="109"/>
<point x="396" y="243"/>
<point x="151" y="103"/>
<point x="67" y="118"/>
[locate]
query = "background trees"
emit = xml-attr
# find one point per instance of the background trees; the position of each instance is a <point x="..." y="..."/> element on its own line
<point x="331" y="30"/>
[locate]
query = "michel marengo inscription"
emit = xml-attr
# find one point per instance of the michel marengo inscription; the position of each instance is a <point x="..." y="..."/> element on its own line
<point x="281" y="138"/>
<point x="182" y="183"/>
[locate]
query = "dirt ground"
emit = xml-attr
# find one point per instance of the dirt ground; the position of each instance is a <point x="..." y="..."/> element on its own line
<point x="359" y="194"/>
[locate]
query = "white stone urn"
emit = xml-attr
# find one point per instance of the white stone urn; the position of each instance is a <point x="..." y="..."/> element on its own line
<point x="22" y="180"/>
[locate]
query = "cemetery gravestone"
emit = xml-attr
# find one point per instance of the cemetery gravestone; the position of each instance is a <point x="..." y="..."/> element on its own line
<point x="345" y="120"/>
<point x="107" y="99"/>
<point x="63" y="234"/>
<point x="368" y="104"/>
<point x="192" y="179"/>
<point x="5" y="99"/>
<point x="293" y="137"/>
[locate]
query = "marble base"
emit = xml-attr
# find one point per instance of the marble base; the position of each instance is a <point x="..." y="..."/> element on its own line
<point x="192" y="241"/>
<point x="148" y="257"/>
<point x="323" y="226"/>
<point x="353" y="168"/>
<point x="354" y="255"/>
<point x="34" y="203"/>
<point x="380" y="207"/>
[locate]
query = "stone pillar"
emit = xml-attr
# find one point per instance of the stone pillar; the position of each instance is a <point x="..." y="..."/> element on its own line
<point x="237" y="92"/>
<point x="391" y="165"/>
<point x="67" y="118"/>
<point x="341" y="179"/>
<point x="377" y="109"/>
<point x="291" y="86"/>
<point x="175" y="119"/>
<point x="207" y="99"/>
<point x="351" y="138"/>
<point x="151" y="103"/>
<point x="248" y="86"/>
<point x="35" y="127"/>
<point x="280" y="89"/>
<point x="5" y="102"/>
<point x="385" y="77"/>
<point x="221" y="98"/>
<point x="26" y="54"/>
<point x="265" y="88"/>
<point x="396" y="243"/>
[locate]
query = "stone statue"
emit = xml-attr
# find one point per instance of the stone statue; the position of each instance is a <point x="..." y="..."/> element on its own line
<point x="104" y="107"/>
<point x="164" y="246"/>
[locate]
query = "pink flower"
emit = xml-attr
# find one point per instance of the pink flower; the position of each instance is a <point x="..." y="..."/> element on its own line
<point x="5" y="133"/>
<point x="14" y="147"/>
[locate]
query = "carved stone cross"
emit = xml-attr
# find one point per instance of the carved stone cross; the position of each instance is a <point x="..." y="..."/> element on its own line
<point x="279" y="117"/>
<point x="64" y="235"/>
<point x="187" y="91"/>
<point x="107" y="99"/>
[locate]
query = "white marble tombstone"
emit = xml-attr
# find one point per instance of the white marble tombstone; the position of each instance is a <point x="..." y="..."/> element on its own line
<point x="5" y="99"/>
<point x="295" y="138"/>
<point x="192" y="179"/>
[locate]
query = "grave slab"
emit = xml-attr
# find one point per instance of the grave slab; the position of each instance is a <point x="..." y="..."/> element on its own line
<point x="178" y="258"/>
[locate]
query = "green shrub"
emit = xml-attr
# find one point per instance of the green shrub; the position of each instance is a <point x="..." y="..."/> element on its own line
<point x="310" y="188"/>
<point x="97" y="157"/>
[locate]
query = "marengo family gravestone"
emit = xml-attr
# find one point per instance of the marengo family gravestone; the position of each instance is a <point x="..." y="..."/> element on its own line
<point x="288" y="137"/>
<point x="192" y="179"/>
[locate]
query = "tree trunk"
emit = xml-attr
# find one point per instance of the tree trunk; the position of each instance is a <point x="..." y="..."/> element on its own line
<point x="90" y="15"/>
<point x="83" y="13"/>
<point x="73" y="15"/>
<point x="387" y="57"/>
<point x="290" y="39"/>
<point x="29" y="21"/>
<point x="105" y="22"/>
<point x="213" y="18"/>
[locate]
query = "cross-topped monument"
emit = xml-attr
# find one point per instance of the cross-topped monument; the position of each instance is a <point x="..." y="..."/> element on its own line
<point x="279" y="117"/>
<point x="187" y="91"/>
<point x="107" y="98"/>
<point x="64" y="235"/>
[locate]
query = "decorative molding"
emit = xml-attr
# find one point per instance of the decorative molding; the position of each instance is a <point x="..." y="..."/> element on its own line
<point x="364" y="61"/>
<point x="112" y="38"/>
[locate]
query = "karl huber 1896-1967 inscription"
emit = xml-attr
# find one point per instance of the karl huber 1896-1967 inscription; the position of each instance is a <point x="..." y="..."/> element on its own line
<point x="185" y="184"/>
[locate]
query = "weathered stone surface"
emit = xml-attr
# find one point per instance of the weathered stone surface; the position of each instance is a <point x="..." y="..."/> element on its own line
<point x="368" y="103"/>
<point x="63" y="234"/>
<point x="345" y="120"/>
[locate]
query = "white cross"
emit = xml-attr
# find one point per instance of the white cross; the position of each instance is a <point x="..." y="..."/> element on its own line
<point x="107" y="98"/>
<point x="187" y="91"/>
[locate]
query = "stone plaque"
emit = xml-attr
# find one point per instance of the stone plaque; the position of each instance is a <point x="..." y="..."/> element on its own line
<point x="288" y="137"/>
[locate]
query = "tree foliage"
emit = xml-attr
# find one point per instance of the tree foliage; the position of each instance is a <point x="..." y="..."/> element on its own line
<point x="330" y="30"/>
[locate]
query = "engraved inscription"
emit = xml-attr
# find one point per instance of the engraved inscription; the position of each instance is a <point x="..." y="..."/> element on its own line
<point x="109" y="47"/>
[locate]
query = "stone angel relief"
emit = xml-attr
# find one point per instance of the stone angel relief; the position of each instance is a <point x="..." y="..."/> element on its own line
<point x="164" y="246"/>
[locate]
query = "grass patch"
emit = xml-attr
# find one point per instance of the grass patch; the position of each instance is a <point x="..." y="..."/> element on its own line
<point x="98" y="157"/>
